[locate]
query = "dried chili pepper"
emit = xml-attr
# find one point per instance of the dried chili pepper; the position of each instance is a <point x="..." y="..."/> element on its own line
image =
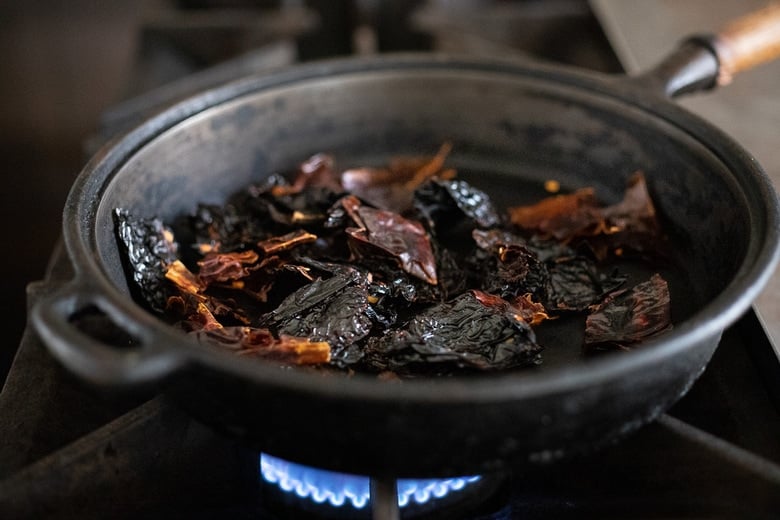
<point x="630" y="223"/>
<point x="561" y="217"/>
<point x="275" y="245"/>
<point x="404" y="240"/>
<point x="333" y="309"/>
<point x="391" y="188"/>
<point x="475" y="330"/>
<point x="401" y="270"/>
<point x="149" y="248"/>
<point x="248" y="341"/>
<point x="444" y="203"/>
<point x="225" y="267"/>
<point x="576" y="283"/>
<point x="316" y="171"/>
<point x="629" y="316"/>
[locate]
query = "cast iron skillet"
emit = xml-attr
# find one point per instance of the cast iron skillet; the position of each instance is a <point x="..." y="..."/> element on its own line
<point x="512" y="126"/>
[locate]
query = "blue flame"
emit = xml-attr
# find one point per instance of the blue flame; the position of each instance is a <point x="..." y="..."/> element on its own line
<point x="337" y="489"/>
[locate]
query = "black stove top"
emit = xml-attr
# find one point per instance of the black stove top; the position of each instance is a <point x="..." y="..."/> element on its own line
<point x="70" y="452"/>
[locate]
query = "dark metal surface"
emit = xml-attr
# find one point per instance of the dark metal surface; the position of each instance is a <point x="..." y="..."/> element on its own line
<point x="155" y="440"/>
<point x="692" y="67"/>
<point x="384" y="499"/>
<point x="521" y="123"/>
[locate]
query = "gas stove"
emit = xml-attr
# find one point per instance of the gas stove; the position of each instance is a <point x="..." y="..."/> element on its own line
<point x="70" y="451"/>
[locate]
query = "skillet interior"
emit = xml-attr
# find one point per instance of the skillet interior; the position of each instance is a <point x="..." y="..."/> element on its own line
<point x="510" y="130"/>
<point x="509" y="136"/>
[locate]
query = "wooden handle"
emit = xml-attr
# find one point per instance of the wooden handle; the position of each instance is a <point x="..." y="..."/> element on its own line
<point x="748" y="41"/>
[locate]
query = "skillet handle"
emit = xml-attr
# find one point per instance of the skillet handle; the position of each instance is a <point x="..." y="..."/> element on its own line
<point x="706" y="61"/>
<point x="748" y="41"/>
<point x="140" y="359"/>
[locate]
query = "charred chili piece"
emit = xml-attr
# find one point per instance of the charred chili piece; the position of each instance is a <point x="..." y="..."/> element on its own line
<point x="445" y="203"/>
<point x="513" y="270"/>
<point x="341" y="320"/>
<point x="334" y="309"/>
<point x="576" y="283"/>
<point x="149" y="249"/>
<point x="222" y="229"/>
<point x="475" y="330"/>
<point x="196" y="308"/>
<point x="183" y="278"/>
<point x="629" y="316"/>
<point x="633" y="223"/>
<point x="316" y="171"/>
<point x="288" y="206"/>
<point x="561" y="217"/>
<point x="532" y="312"/>
<point x="315" y="293"/>
<point x="564" y="281"/>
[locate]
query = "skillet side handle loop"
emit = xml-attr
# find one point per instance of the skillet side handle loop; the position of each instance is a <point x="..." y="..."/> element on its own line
<point x="142" y="363"/>
<point x="747" y="42"/>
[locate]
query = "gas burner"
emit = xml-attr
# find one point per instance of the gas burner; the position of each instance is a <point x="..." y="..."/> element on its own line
<point x="339" y="489"/>
<point x="329" y="494"/>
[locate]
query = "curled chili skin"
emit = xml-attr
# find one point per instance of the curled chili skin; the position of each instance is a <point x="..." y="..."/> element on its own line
<point x="402" y="270"/>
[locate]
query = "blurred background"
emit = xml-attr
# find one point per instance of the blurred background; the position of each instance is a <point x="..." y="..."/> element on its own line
<point x="61" y="64"/>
